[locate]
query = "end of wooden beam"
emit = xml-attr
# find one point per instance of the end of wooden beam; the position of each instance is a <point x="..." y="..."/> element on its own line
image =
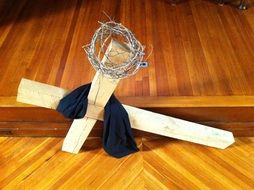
<point x="77" y="134"/>
<point x="40" y="94"/>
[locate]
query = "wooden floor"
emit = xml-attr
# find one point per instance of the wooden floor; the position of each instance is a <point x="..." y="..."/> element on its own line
<point x="201" y="69"/>
<point x="199" y="48"/>
<point x="38" y="163"/>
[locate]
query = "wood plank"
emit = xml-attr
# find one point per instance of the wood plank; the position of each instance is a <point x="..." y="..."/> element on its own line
<point x="77" y="134"/>
<point x="165" y="125"/>
<point x="50" y="94"/>
<point x="177" y="128"/>
<point x="102" y="88"/>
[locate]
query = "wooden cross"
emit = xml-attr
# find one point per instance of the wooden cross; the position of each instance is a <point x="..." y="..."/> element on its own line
<point x="102" y="87"/>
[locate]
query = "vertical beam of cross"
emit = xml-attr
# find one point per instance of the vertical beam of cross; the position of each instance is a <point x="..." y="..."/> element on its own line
<point x="101" y="89"/>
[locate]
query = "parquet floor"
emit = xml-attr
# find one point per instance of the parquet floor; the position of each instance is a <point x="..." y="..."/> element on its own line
<point x="38" y="163"/>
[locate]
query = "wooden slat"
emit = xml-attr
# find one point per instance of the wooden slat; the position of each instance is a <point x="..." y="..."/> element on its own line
<point x="140" y="119"/>
<point x="28" y="95"/>
<point x="50" y="94"/>
<point x="102" y="88"/>
<point x="177" y="128"/>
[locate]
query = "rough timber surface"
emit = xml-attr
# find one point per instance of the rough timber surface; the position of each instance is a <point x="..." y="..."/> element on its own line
<point x="140" y="119"/>
<point x="102" y="88"/>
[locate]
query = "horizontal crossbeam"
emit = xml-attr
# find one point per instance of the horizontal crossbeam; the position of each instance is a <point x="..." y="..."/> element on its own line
<point x="43" y="95"/>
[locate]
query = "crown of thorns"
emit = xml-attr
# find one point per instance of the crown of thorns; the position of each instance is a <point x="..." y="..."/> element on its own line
<point x="97" y="49"/>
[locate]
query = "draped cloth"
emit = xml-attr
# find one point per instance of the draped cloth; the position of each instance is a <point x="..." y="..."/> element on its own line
<point x="118" y="140"/>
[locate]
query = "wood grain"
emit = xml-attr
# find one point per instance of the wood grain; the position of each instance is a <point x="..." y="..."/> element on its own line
<point x="200" y="69"/>
<point x="47" y="122"/>
<point x="195" y="45"/>
<point x="102" y="88"/>
<point x="32" y="93"/>
<point x="38" y="163"/>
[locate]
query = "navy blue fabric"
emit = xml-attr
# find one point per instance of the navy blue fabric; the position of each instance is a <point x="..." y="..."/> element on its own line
<point x="74" y="104"/>
<point x="118" y="140"/>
